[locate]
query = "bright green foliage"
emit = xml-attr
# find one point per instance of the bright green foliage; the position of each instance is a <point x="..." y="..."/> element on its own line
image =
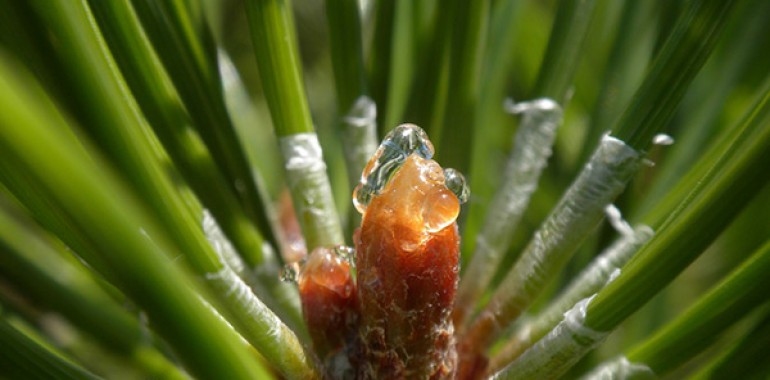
<point x="122" y="124"/>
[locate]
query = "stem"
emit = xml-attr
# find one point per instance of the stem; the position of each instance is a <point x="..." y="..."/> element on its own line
<point x="564" y="49"/>
<point x="344" y="20"/>
<point x="160" y="104"/>
<point x="468" y="38"/>
<point x="605" y="176"/>
<point x="359" y="120"/>
<point x="22" y="34"/>
<point x="574" y="217"/>
<point x="105" y="211"/>
<point x="380" y="56"/>
<point x="25" y="357"/>
<point x="275" y="341"/>
<point x="490" y="135"/>
<point x="730" y="300"/>
<point x="553" y="355"/>
<point x="128" y="140"/>
<point x="52" y="218"/>
<point x="531" y="150"/>
<point x="726" y="303"/>
<point x="744" y="358"/>
<point x="622" y="367"/>
<point x="428" y="96"/>
<point x="713" y="204"/>
<point x="709" y="97"/>
<point x="272" y="30"/>
<point x="680" y="59"/>
<point x="32" y="263"/>
<point x="629" y="57"/>
<point x="733" y="181"/>
<point x="185" y="45"/>
<point x="359" y="123"/>
<point x="359" y="137"/>
<point x="723" y="145"/>
<point x="598" y="273"/>
<point x="279" y="296"/>
<point x="402" y="68"/>
<point x="275" y="47"/>
<point x="359" y="140"/>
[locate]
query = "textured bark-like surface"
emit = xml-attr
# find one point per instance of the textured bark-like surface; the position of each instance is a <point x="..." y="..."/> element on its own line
<point x="407" y="266"/>
<point x="328" y="295"/>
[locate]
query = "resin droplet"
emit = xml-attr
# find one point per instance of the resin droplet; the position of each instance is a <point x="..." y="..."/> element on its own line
<point x="455" y="182"/>
<point x="346" y="253"/>
<point x="662" y="139"/>
<point x="439" y="207"/>
<point x="418" y="197"/>
<point x="289" y="272"/>
<point x="399" y="144"/>
<point x="439" y="211"/>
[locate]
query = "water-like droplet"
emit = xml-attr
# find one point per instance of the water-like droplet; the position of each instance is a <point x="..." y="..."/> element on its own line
<point x="361" y="198"/>
<point x="408" y="139"/>
<point x="455" y="182"/>
<point x="345" y="253"/>
<point x="290" y="273"/>
<point x="399" y="144"/>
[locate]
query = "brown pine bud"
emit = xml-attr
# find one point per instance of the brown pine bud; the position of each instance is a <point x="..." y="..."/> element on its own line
<point x="328" y="296"/>
<point x="407" y="262"/>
